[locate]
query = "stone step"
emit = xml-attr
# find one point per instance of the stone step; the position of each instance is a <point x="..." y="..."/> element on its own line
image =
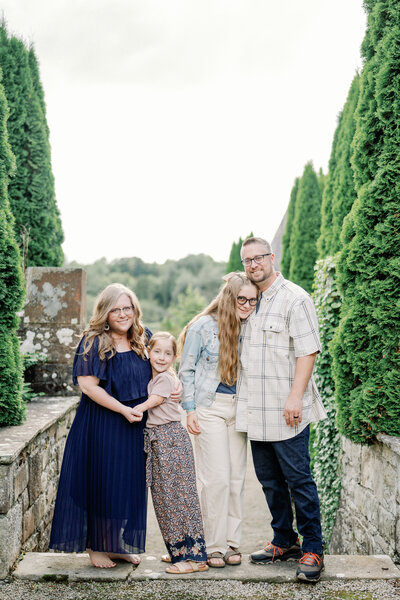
<point x="50" y="566"/>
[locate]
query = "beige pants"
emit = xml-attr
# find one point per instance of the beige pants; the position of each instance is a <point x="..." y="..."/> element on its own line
<point x="221" y="454"/>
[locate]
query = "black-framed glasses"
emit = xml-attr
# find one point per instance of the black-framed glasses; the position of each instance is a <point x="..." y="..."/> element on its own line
<point x="242" y="300"/>
<point x="259" y="259"/>
<point x="126" y="310"/>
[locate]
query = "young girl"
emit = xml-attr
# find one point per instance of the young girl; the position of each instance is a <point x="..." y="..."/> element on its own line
<point x="170" y="464"/>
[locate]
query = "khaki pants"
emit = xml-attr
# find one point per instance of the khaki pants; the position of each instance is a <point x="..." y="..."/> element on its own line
<point x="221" y="454"/>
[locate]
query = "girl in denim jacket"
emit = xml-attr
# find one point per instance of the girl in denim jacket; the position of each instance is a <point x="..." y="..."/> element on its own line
<point x="209" y="370"/>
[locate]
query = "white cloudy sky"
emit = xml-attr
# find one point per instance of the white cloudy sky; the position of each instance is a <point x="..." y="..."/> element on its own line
<point x="178" y="126"/>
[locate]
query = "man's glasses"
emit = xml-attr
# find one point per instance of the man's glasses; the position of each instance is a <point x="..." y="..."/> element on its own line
<point x="259" y="259"/>
<point x="126" y="310"/>
<point x="242" y="300"/>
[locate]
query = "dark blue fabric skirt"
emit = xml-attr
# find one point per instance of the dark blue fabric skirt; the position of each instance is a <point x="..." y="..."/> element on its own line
<point x="102" y="500"/>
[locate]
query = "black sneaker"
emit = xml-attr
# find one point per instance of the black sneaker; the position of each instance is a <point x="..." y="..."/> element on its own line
<point x="273" y="553"/>
<point x="310" y="567"/>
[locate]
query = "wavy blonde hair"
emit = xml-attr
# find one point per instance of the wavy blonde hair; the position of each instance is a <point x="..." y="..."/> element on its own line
<point x="105" y="301"/>
<point x="224" y="310"/>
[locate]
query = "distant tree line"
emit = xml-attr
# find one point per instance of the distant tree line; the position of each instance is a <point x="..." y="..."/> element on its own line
<point x="169" y="294"/>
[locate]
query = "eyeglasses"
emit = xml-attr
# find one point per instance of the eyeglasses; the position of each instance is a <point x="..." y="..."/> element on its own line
<point x="259" y="259"/>
<point x="126" y="310"/>
<point x="242" y="300"/>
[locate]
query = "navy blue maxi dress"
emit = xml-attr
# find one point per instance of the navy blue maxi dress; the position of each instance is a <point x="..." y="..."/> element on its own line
<point x="102" y="500"/>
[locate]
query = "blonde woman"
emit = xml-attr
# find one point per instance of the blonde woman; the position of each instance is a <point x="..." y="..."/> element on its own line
<point x="209" y="371"/>
<point x="101" y="499"/>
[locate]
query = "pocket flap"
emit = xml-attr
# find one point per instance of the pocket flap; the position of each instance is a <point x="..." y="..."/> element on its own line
<point x="273" y="326"/>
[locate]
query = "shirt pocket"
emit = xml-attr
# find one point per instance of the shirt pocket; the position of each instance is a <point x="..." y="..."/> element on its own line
<point x="276" y="337"/>
<point x="210" y="359"/>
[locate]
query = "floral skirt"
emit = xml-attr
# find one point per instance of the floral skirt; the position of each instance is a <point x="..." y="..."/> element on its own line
<point x="171" y="476"/>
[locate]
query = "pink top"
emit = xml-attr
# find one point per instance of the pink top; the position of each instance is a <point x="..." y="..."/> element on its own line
<point x="162" y="385"/>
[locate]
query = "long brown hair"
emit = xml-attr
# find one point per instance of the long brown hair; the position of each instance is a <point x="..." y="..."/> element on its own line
<point x="98" y="323"/>
<point x="224" y="310"/>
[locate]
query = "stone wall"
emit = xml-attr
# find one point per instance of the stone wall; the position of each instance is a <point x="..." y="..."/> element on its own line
<point x="368" y="520"/>
<point x="52" y="322"/>
<point x="30" y="461"/>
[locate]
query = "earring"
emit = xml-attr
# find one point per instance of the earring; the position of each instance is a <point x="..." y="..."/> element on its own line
<point x="106" y="326"/>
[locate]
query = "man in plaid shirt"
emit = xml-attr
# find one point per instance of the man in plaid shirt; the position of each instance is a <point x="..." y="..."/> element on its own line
<point x="277" y="400"/>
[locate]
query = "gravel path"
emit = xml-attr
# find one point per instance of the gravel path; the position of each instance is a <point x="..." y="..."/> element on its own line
<point x="200" y="590"/>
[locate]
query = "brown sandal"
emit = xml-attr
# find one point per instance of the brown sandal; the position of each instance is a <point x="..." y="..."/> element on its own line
<point x="216" y="556"/>
<point x="186" y="566"/>
<point x="228" y="555"/>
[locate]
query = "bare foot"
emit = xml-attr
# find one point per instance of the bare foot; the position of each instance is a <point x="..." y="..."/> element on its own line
<point x="132" y="558"/>
<point x="100" y="559"/>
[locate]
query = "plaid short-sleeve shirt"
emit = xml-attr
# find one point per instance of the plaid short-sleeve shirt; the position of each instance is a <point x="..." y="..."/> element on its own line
<point x="284" y="328"/>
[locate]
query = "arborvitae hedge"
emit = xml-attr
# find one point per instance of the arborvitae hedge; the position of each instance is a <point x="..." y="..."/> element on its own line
<point x="286" y="255"/>
<point x="31" y="191"/>
<point x="326" y="450"/>
<point x="339" y="192"/>
<point x="306" y="229"/>
<point x="367" y="343"/>
<point x="12" y="408"/>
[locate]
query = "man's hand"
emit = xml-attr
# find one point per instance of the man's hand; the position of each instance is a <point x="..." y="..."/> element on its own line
<point x="294" y="403"/>
<point x="192" y="423"/>
<point x="293" y="411"/>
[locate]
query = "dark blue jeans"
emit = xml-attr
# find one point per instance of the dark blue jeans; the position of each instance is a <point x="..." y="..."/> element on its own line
<point x="283" y="468"/>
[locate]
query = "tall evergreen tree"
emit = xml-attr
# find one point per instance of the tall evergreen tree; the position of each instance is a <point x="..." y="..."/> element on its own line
<point x="31" y="191"/>
<point x="286" y="254"/>
<point x="234" y="261"/>
<point x="11" y="289"/>
<point x="339" y="192"/>
<point x="306" y="229"/>
<point x="366" y="345"/>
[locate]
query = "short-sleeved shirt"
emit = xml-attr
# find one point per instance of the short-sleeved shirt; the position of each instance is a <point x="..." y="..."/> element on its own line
<point x="284" y="328"/>
<point x="163" y="385"/>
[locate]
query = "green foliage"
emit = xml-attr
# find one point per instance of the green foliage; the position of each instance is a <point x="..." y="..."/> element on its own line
<point x="326" y="443"/>
<point x="187" y="306"/>
<point x="366" y="345"/>
<point x="29" y="360"/>
<point x="12" y="409"/>
<point x="157" y="286"/>
<point x="339" y="191"/>
<point x="31" y="191"/>
<point x="286" y="254"/>
<point x="305" y="229"/>
<point x="234" y="261"/>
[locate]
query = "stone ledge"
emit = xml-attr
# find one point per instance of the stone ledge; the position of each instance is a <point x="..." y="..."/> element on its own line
<point x="41" y="414"/>
<point x="52" y="566"/>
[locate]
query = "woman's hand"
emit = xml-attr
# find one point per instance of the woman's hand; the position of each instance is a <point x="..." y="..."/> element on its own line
<point x="192" y="423"/>
<point x="132" y="415"/>
<point x="177" y="393"/>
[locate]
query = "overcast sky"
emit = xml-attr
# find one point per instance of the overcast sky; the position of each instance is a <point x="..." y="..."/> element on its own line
<point x="178" y="126"/>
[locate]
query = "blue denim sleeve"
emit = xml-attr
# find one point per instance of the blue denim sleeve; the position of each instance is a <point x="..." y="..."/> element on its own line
<point x="187" y="369"/>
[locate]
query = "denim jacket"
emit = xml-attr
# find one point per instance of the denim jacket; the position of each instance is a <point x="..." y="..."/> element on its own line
<point x="198" y="369"/>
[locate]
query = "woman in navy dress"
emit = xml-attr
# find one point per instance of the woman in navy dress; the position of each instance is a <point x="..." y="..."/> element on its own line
<point x="101" y="499"/>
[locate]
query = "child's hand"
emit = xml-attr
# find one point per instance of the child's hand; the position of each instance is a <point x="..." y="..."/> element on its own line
<point x="138" y="411"/>
<point x="177" y="393"/>
<point x="192" y="423"/>
<point x="131" y="415"/>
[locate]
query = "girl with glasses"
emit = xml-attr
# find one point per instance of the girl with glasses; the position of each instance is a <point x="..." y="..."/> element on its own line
<point x="209" y="370"/>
